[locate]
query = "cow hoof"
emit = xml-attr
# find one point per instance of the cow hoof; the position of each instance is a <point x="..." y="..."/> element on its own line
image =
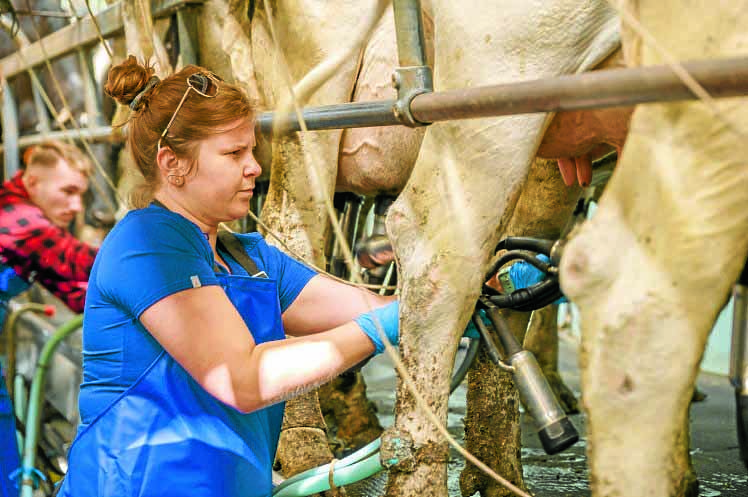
<point x="698" y="395"/>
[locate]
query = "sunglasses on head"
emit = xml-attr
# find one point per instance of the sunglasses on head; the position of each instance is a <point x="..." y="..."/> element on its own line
<point x="204" y="84"/>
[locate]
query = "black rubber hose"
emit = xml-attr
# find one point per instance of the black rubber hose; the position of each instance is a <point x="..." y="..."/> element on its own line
<point x="491" y="349"/>
<point x="467" y="361"/>
<point x="531" y="298"/>
<point x="509" y="342"/>
<point x="538" y="245"/>
<point x="549" y="295"/>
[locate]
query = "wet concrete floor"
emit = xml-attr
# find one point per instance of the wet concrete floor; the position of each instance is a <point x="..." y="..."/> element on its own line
<point x="714" y="442"/>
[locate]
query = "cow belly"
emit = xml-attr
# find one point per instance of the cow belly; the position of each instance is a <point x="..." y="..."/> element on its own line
<point x="378" y="160"/>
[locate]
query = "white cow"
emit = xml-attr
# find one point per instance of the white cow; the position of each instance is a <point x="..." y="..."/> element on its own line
<point x="367" y="163"/>
<point x="465" y="185"/>
<point x="461" y="196"/>
<point x="651" y="271"/>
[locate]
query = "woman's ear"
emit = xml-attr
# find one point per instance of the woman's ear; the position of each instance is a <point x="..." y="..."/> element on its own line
<point x="167" y="161"/>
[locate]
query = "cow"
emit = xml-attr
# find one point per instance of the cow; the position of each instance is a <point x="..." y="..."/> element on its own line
<point x="674" y="211"/>
<point x="358" y="160"/>
<point x="461" y="195"/>
<point x="634" y="274"/>
<point x="454" y="206"/>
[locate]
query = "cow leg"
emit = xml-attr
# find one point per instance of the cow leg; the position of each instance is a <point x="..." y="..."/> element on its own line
<point x="492" y="422"/>
<point x="492" y="429"/>
<point x="350" y="416"/>
<point x="542" y="341"/>
<point x="652" y="269"/>
<point x="443" y="226"/>
<point x="297" y="215"/>
<point x="304" y="168"/>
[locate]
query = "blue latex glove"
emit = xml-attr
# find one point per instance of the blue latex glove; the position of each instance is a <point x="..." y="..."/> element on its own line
<point x="524" y="274"/>
<point x="387" y="318"/>
<point x="471" y="331"/>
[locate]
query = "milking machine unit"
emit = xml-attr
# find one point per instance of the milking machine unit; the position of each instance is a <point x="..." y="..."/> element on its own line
<point x="541" y="257"/>
<point x="739" y="359"/>
<point x="555" y="430"/>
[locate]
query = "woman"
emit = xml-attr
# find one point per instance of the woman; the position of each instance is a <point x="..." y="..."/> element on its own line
<point x="185" y="356"/>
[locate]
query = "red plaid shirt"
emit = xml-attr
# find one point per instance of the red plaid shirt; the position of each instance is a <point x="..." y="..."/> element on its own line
<point x="40" y="251"/>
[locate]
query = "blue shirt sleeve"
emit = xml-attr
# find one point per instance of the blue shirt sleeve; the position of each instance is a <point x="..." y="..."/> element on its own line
<point x="290" y="274"/>
<point x="150" y="255"/>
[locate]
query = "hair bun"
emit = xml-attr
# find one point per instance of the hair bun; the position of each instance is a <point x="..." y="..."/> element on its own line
<point x="126" y="80"/>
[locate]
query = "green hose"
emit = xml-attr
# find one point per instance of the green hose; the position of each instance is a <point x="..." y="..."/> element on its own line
<point x="28" y="472"/>
<point x="9" y="331"/>
<point x="20" y="401"/>
<point x="361" y="464"/>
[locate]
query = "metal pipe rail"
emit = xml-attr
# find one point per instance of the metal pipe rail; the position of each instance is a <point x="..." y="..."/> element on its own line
<point x="597" y="89"/>
<point x="590" y="90"/>
<point x="80" y="37"/>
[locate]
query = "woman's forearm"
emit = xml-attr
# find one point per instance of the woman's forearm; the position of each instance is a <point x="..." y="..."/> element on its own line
<point x="282" y="369"/>
<point x="325" y="303"/>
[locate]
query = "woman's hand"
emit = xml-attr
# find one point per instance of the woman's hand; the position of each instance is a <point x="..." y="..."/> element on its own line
<point x="379" y="322"/>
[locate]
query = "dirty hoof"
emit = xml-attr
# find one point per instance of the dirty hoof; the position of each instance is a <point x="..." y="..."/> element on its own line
<point x="563" y="393"/>
<point x="698" y="395"/>
<point x="374" y="486"/>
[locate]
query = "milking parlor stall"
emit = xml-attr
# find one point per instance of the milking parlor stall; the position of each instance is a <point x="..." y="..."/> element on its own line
<point x="565" y="179"/>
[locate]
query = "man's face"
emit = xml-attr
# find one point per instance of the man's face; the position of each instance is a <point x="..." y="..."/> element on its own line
<point x="58" y="191"/>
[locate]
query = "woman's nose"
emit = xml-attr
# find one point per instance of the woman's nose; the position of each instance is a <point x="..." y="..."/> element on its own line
<point x="252" y="167"/>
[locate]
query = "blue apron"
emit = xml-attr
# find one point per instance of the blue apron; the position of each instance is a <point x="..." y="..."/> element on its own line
<point x="166" y="436"/>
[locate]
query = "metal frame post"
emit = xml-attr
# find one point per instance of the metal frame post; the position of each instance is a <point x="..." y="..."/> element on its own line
<point x="414" y="76"/>
<point x="40" y="107"/>
<point x="10" y="131"/>
<point x="92" y="100"/>
<point x="189" y="48"/>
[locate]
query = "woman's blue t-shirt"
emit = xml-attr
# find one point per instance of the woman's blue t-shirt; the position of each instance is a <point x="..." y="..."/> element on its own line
<point x="150" y="254"/>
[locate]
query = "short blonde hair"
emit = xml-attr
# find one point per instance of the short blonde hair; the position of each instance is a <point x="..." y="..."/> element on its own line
<point x="48" y="153"/>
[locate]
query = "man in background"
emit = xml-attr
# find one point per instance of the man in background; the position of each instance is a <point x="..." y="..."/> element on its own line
<point x="37" y="206"/>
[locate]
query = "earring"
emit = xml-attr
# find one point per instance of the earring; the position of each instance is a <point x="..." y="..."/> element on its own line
<point x="175" y="179"/>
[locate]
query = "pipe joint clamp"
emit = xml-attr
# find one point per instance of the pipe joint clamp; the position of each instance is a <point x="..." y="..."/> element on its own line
<point x="410" y="82"/>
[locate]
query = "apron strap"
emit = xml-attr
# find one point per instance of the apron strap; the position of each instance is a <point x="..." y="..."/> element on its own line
<point x="234" y="247"/>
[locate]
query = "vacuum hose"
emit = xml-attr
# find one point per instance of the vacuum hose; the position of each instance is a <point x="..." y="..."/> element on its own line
<point x="29" y="474"/>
